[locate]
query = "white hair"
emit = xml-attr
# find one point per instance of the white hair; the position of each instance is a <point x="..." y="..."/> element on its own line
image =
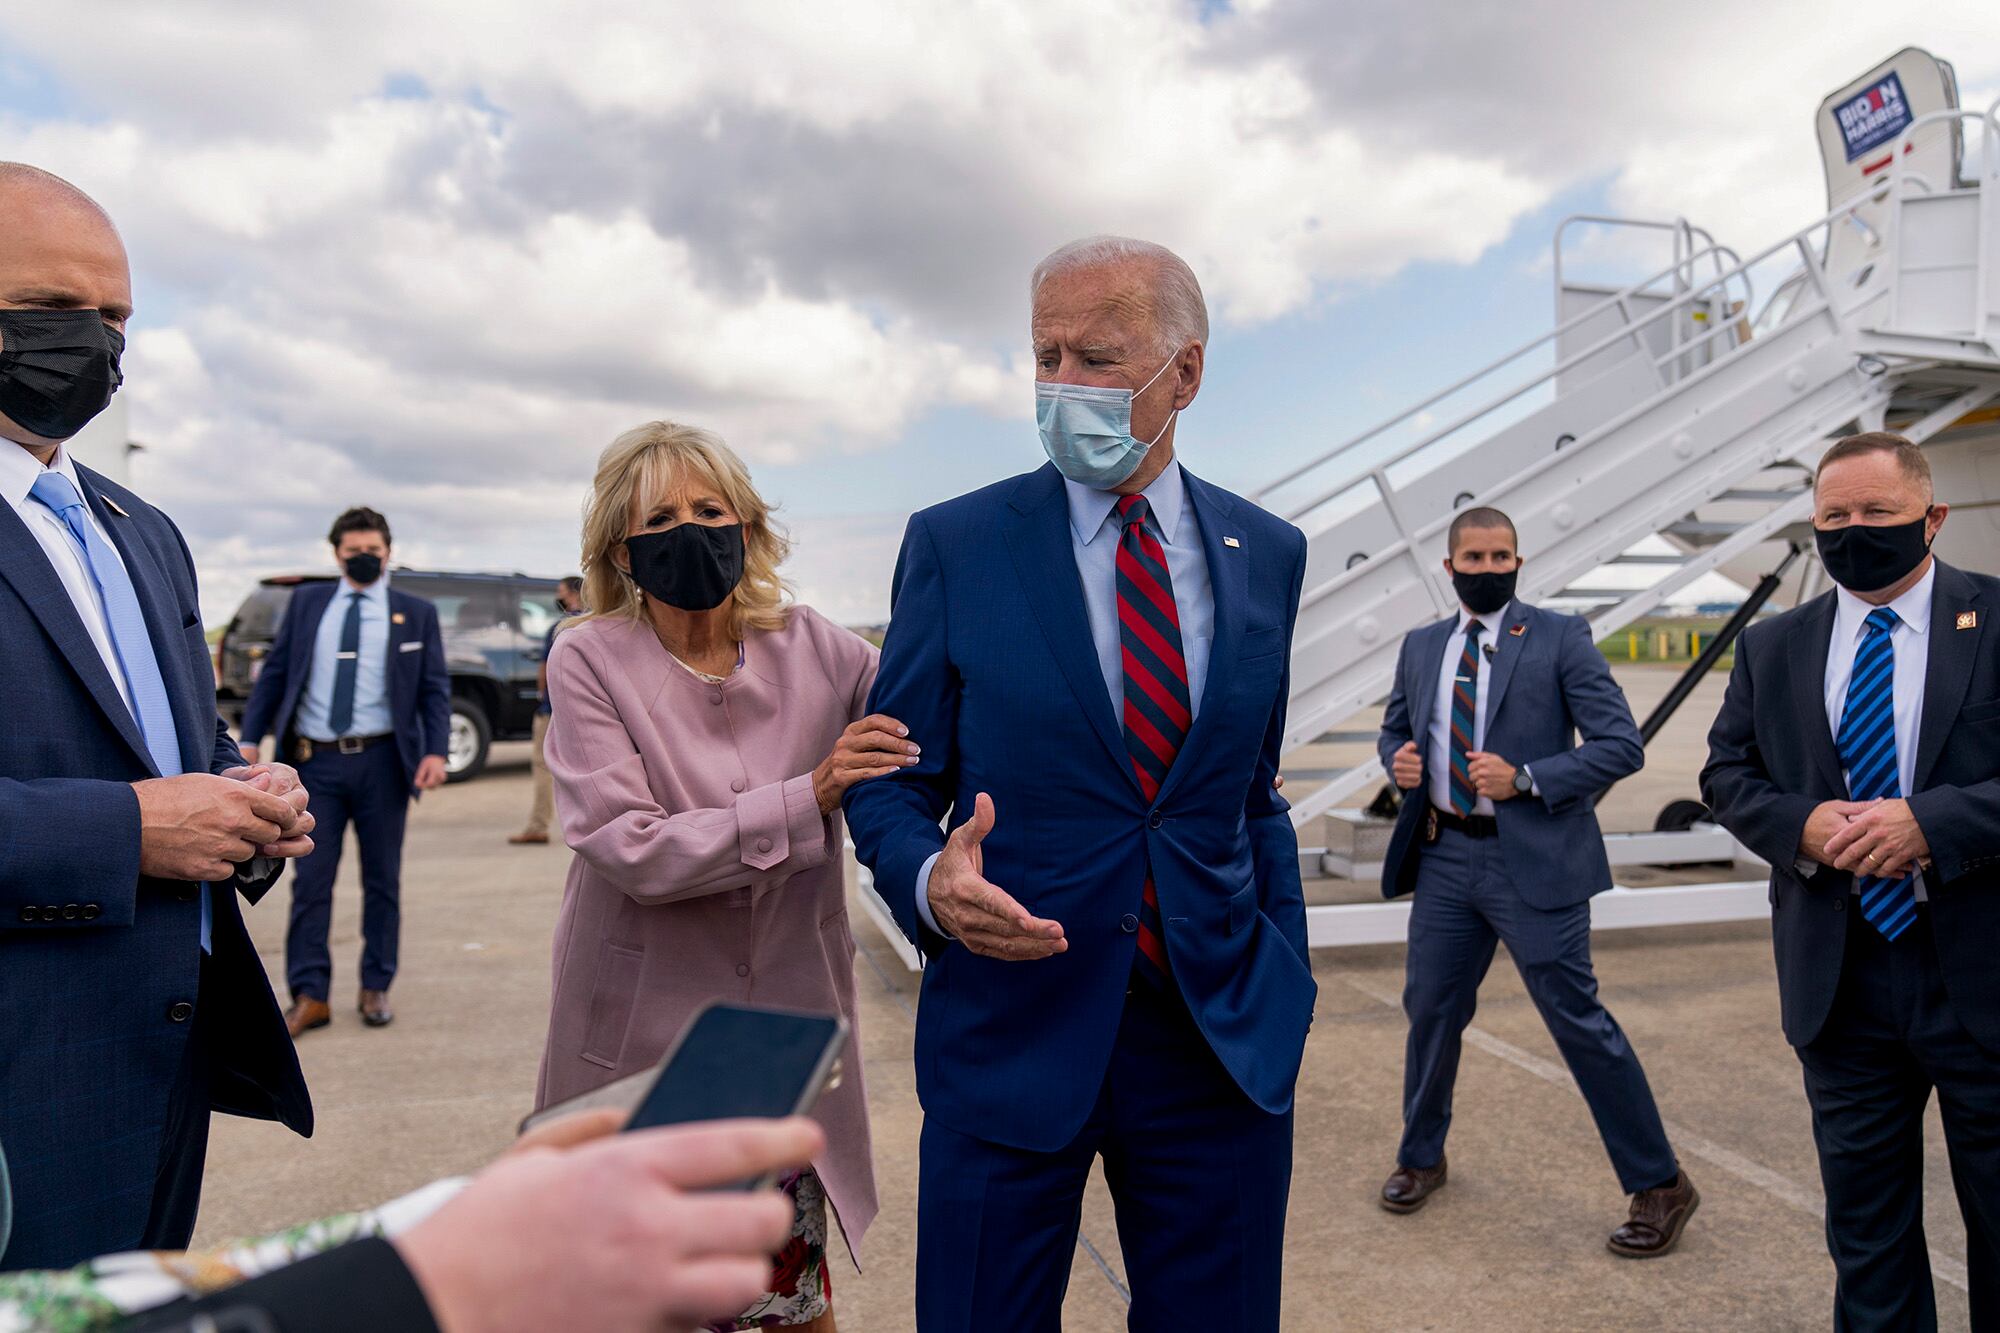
<point x="1177" y="300"/>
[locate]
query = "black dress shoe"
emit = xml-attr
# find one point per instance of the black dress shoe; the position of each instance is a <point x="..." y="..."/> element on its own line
<point x="1408" y="1188"/>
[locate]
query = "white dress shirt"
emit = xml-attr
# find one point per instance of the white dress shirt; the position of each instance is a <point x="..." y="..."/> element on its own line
<point x="19" y="470"/>
<point x="1437" y="755"/>
<point x="1910" y="641"/>
<point x="1094" y="530"/>
<point x="372" y="716"/>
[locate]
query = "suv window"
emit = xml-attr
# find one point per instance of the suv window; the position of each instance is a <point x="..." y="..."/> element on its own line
<point x="461" y="607"/>
<point x="260" y="613"/>
<point x="538" y="612"/>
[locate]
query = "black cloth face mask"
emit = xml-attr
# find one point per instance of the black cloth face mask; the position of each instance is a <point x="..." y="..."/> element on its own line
<point x="693" y="567"/>
<point x="1483" y="594"/>
<point x="58" y="369"/>
<point x="363" y="569"/>
<point x="1868" y="559"/>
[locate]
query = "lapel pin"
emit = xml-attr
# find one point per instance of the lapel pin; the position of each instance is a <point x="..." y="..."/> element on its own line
<point x="1232" y="543"/>
<point x="115" y="507"/>
<point x="1968" y="620"/>
<point x="396" y="619"/>
<point x="1518" y="631"/>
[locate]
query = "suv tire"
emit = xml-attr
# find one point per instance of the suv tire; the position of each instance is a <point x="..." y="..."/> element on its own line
<point x="469" y="742"/>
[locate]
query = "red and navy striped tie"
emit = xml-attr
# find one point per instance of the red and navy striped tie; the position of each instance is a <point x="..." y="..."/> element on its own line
<point x="1158" y="710"/>
<point x="1464" y="699"/>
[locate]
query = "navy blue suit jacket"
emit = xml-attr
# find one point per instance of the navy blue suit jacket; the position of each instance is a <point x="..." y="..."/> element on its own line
<point x="419" y="684"/>
<point x="93" y="957"/>
<point x="989" y="662"/>
<point x="1771" y="759"/>
<point x="1548" y="683"/>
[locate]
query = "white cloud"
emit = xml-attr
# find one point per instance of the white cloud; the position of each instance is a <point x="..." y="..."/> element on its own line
<point x="432" y="255"/>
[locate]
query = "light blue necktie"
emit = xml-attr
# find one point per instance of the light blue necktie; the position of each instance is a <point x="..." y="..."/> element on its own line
<point x="1868" y="753"/>
<point x="130" y="642"/>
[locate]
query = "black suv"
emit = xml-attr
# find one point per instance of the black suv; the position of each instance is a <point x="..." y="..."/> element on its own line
<point x="494" y="627"/>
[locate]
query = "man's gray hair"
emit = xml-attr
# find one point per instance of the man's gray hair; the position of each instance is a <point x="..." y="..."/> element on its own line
<point x="1177" y="299"/>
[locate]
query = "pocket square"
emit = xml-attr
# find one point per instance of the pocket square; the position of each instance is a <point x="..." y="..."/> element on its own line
<point x="411" y="647"/>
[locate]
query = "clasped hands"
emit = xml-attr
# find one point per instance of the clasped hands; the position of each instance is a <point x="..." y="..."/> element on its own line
<point x="1492" y="776"/>
<point x="1879" y="837"/>
<point x="202" y="826"/>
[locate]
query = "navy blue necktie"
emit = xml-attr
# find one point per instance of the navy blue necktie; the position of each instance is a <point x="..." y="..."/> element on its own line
<point x="340" y="716"/>
<point x="1868" y="753"/>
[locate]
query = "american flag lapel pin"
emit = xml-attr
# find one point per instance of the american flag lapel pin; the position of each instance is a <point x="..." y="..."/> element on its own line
<point x="1968" y="620"/>
<point x="1519" y="630"/>
<point x="397" y="618"/>
<point x="1231" y="543"/>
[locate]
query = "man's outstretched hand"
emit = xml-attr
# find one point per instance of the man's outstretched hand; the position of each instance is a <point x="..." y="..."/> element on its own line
<point x="977" y="913"/>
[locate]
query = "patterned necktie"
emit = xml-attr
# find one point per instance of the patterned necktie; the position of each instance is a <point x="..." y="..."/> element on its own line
<point x="1158" y="710"/>
<point x="1464" y="698"/>
<point x="1868" y="753"/>
<point x="130" y="642"/>
<point x="340" y="715"/>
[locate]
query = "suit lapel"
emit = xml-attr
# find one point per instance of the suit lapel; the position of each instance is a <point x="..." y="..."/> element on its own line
<point x="1037" y="534"/>
<point x="1808" y="658"/>
<point x="1422" y="691"/>
<point x="1506" y="652"/>
<point x="1948" y="670"/>
<point x="163" y="622"/>
<point x="25" y="565"/>
<point x="1229" y="583"/>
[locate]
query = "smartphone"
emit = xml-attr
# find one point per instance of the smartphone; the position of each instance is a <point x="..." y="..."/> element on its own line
<point x="730" y="1061"/>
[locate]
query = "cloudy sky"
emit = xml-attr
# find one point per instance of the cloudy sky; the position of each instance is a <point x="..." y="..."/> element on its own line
<point x="432" y="256"/>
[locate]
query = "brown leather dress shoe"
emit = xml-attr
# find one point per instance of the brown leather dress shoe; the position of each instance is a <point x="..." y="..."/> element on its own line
<point x="1657" y="1219"/>
<point x="375" y="1010"/>
<point x="306" y="1014"/>
<point x="527" y="840"/>
<point x="1409" y="1188"/>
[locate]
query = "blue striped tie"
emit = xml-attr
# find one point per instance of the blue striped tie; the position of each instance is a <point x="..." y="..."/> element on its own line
<point x="1868" y="753"/>
<point x="1464" y="695"/>
<point x="144" y="685"/>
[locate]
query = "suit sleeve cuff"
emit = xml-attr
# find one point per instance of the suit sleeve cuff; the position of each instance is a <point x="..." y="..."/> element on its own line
<point x="781" y="822"/>
<point x="924" y="895"/>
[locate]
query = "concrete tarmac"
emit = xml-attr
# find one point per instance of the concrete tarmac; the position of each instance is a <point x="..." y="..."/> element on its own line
<point x="1516" y="1241"/>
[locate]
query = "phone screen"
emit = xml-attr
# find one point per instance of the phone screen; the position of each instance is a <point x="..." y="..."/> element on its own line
<point x="738" y="1062"/>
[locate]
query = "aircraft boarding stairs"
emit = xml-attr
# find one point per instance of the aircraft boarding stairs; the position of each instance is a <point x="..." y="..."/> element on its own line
<point x="1657" y="411"/>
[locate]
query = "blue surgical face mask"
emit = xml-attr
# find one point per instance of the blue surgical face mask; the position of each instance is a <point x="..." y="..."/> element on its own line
<point x="1087" y="431"/>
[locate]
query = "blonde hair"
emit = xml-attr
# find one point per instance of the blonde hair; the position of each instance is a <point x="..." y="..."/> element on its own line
<point x="643" y="462"/>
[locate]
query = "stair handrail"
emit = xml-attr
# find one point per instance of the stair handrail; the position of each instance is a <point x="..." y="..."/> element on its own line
<point x="1285" y="479"/>
<point x="1685" y="299"/>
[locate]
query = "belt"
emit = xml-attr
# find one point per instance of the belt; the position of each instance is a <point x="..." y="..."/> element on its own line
<point x="1472" y="826"/>
<point x="345" y="745"/>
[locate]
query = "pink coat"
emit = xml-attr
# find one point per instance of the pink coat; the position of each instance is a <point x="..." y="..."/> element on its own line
<point x="704" y="869"/>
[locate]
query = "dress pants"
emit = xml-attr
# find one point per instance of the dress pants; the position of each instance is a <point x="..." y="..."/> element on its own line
<point x="1891" y="1038"/>
<point x="1465" y="903"/>
<point x="184" y="1141"/>
<point x="371" y="791"/>
<point x="542" y="812"/>
<point x="1200" y="1177"/>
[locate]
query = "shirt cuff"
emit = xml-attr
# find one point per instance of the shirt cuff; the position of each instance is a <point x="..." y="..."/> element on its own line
<point x="924" y="894"/>
<point x="1534" y="787"/>
<point x="1807" y="868"/>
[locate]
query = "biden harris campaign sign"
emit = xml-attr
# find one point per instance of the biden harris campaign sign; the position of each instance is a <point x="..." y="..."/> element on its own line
<point x="1874" y="116"/>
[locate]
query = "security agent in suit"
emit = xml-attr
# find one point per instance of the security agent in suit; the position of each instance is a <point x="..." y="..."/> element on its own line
<point x="132" y="1002"/>
<point x="356" y="689"/>
<point x="1498" y="839"/>
<point x="1858" y="751"/>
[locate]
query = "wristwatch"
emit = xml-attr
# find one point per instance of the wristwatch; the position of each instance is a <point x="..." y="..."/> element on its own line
<point x="1524" y="781"/>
